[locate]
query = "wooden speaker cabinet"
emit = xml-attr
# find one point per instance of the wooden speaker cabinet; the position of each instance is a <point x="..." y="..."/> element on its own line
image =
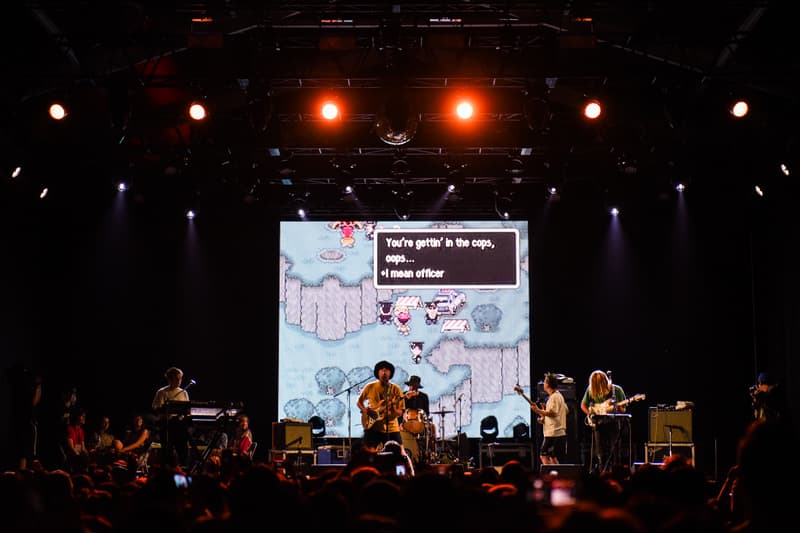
<point x="662" y="421"/>
<point x="658" y="452"/>
<point x="291" y="436"/>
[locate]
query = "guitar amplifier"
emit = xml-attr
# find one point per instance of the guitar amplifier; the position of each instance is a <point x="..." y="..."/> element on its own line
<point x="662" y="421"/>
<point x="291" y="436"/>
<point x="565" y="385"/>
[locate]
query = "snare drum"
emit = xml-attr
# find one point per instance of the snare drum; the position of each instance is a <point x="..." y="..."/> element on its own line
<point x="414" y="421"/>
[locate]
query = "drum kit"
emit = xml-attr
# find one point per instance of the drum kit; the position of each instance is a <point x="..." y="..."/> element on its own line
<point x="419" y="437"/>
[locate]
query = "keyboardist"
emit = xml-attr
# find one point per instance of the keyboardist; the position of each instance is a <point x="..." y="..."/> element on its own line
<point x="173" y="423"/>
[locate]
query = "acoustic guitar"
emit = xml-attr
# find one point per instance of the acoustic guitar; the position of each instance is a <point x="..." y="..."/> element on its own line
<point x="603" y="408"/>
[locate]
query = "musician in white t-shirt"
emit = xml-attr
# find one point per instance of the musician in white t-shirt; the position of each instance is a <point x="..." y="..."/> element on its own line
<point x="174" y="431"/>
<point x="554" y="423"/>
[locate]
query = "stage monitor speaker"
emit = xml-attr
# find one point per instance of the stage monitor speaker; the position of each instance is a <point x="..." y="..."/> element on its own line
<point x="291" y="436"/>
<point x="662" y="421"/>
<point x="563" y="471"/>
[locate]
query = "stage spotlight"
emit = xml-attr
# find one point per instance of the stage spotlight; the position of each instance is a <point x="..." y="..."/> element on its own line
<point x="502" y="205"/>
<point x="396" y="123"/>
<point x="400" y="168"/>
<point x="122" y="186"/>
<point x="16" y="172"/>
<point x="300" y="203"/>
<point x="197" y="111"/>
<point x="739" y="109"/>
<point x="465" y="110"/>
<point x="57" y="111"/>
<point x="537" y="114"/>
<point x="401" y="202"/>
<point x="592" y="109"/>
<point x="329" y="110"/>
<point x="190" y="214"/>
<point x="515" y="166"/>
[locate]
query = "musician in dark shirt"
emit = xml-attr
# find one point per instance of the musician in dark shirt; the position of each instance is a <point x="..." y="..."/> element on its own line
<point x="417" y="403"/>
<point x="767" y="398"/>
<point x="174" y="430"/>
<point x="603" y="398"/>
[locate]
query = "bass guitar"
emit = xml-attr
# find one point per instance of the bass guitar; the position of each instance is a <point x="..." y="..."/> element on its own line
<point x="603" y="408"/>
<point x="518" y="389"/>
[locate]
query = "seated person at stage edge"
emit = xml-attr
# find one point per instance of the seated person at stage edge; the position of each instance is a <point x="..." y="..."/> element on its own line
<point x="242" y="437"/>
<point x="136" y="439"/>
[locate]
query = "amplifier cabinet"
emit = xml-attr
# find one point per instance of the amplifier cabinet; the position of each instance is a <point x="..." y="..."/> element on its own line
<point x="663" y="421"/>
<point x="497" y="454"/>
<point x="293" y="457"/>
<point x="333" y="455"/>
<point x="291" y="436"/>
<point x="658" y="452"/>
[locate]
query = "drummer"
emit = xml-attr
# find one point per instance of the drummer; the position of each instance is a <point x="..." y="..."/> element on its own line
<point x="417" y="406"/>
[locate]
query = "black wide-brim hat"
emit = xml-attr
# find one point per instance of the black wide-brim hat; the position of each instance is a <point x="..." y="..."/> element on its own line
<point x="383" y="364"/>
<point x="415" y="381"/>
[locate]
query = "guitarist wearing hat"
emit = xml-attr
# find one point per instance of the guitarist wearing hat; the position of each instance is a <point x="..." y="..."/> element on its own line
<point x="381" y="403"/>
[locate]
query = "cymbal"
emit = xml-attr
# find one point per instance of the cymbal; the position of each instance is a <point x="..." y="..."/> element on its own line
<point x="441" y="412"/>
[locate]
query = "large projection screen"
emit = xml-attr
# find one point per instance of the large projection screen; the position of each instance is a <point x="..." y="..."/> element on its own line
<point x="447" y="301"/>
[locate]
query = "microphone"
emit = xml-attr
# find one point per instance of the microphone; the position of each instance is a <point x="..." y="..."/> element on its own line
<point x="191" y="382"/>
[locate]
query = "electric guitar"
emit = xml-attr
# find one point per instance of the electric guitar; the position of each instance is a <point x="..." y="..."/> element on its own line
<point x="380" y="410"/>
<point x="518" y="389"/>
<point x="603" y="408"/>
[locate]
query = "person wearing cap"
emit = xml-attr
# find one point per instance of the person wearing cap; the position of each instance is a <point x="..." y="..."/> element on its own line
<point x="381" y="403"/>
<point x="767" y="398"/>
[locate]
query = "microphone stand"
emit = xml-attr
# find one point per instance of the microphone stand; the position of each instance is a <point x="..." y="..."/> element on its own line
<point x="670" y="439"/>
<point x="298" y="460"/>
<point x="458" y="432"/>
<point x="350" y="414"/>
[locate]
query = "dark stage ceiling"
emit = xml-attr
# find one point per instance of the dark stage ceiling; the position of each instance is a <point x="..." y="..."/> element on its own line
<point x="667" y="71"/>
